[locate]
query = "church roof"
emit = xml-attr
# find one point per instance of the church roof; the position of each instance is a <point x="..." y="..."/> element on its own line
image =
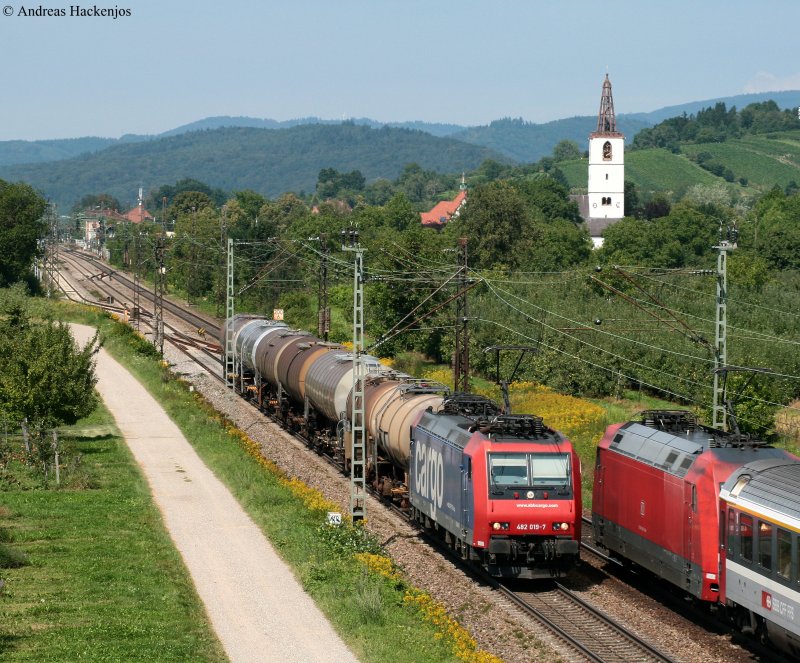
<point x="138" y="214"/>
<point x="443" y="211"/>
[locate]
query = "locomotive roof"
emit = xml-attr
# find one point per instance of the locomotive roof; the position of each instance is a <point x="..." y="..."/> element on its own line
<point x="675" y="450"/>
<point x="453" y="428"/>
<point x="671" y="452"/>
<point x="772" y="485"/>
<point x="458" y="429"/>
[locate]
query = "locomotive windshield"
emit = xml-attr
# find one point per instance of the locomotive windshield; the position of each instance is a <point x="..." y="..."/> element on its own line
<point x="526" y="470"/>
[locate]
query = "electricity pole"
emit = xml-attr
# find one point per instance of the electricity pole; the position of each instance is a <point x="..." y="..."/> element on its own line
<point x="357" y="424"/>
<point x="726" y="244"/>
<point x="461" y="354"/>
<point x="229" y="368"/>
<point x="324" y="315"/>
<point x="158" y="299"/>
<point x="50" y="248"/>
<point x="136" y="285"/>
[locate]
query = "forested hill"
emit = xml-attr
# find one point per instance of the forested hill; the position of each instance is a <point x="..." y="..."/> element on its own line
<point x="527" y="142"/>
<point x="267" y="161"/>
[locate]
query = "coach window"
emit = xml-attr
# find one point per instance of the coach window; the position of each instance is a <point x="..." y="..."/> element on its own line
<point x="784" y="553"/>
<point x="746" y="537"/>
<point x="765" y="545"/>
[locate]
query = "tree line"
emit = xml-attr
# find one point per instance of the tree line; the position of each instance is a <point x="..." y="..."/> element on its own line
<point x="716" y="124"/>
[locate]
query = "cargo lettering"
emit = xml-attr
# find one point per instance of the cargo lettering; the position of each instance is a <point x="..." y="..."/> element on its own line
<point x="429" y="468"/>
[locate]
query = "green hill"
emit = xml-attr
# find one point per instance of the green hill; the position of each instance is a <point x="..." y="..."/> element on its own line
<point x="25" y="151"/>
<point x="267" y="161"/>
<point x="650" y="170"/>
<point x="527" y="142"/>
<point x="763" y="160"/>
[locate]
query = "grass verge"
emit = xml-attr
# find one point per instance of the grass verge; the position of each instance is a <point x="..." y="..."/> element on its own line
<point x="90" y="574"/>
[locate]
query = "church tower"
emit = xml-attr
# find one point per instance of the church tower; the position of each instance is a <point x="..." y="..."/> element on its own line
<point x="606" y="163"/>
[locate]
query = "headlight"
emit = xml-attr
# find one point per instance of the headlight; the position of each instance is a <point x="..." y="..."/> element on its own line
<point x="561" y="526"/>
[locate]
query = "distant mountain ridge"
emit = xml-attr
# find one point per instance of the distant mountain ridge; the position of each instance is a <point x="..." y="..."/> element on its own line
<point x="433" y="128"/>
<point x="270" y="162"/>
<point x="517" y="139"/>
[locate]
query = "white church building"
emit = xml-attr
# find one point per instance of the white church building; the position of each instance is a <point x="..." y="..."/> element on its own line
<point x="605" y="202"/>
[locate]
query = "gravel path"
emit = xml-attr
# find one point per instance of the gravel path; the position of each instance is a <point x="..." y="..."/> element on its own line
<point x="256" y="606"/>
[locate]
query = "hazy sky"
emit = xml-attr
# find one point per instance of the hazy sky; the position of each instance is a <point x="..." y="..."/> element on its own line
<point x="174" y="61"/>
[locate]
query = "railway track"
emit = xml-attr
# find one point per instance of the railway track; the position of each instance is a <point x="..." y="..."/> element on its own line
<point x="579" y="626"/>
<point x="88" y="276"/>
<point x="582" y="626"/>
<point x="104" y="275"/>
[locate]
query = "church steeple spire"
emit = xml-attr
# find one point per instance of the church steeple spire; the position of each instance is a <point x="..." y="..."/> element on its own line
<point x="606" y="122"/>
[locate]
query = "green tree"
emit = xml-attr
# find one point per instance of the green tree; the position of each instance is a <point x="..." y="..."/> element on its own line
<point x="399" y="213"/>
<point x="194" y="256"/>
<point x="250" y="202"/>
<point x="497" y="225"/>
<point x="155" y="198"/>
<point x="187" y="202"/>
<point x="98" y="200"/>
<point x="21" y="226"/>
<point x="566" y="150"/>
<point x="44" y="376"/>
<point x="631" y="199"/>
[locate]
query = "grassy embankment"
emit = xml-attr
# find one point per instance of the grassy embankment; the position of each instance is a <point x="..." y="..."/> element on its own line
<point x="135" y="602"/>
<point x="89" y="571"/>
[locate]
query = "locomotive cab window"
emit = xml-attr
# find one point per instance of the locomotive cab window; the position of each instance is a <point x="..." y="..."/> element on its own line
<point x="550" y="470"/>
<point x="531" y="471"/>
<point x="509" y="469"/>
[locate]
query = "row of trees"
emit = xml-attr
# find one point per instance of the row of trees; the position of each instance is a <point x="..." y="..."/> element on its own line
<point x="45" y="379"/>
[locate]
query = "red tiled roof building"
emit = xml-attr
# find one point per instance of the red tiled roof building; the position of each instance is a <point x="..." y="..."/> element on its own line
<point x="444" y="211"/>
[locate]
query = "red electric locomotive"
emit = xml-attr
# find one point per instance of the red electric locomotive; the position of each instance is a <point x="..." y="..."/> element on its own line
<point x="656" y="495"/>
<point x="504" y="490"/>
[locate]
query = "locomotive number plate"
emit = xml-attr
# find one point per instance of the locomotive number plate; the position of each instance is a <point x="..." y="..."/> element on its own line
<point x="530" y="527"/>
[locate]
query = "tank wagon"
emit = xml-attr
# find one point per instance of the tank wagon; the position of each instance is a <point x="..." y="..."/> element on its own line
<point x="502" y="490"/>
<point x="716" y="514"/>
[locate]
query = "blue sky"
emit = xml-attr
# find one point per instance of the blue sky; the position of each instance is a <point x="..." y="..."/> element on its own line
<point x="467" y="62"/>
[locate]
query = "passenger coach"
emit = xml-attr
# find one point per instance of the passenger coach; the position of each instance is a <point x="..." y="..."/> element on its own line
<point x="761" y="514"/>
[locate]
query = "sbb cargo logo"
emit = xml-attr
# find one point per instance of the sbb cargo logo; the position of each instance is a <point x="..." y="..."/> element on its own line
<point x="429" y="473"/>
<point x="766" y="600"/>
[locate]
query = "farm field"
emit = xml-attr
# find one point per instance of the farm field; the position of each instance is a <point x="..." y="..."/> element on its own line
<point x="650" y="170"/>
<point x="765" y="160"/>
